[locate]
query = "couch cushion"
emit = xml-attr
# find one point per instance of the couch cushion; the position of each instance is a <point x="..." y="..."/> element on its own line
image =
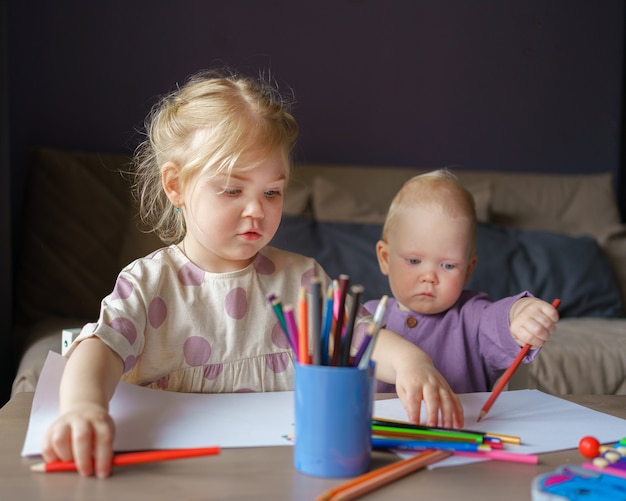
<point x="548" y="265"/>
<point x="334" y="203"/>
<point x="77" y="205"/>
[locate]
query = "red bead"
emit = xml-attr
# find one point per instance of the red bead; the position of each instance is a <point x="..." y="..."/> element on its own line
<point x="589" y="447"/>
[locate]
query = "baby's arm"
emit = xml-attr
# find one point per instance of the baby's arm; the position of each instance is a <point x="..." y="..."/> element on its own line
<point x="532" y="321"/>
<point x="84" y="431"/>
<point x="401" y="362"/>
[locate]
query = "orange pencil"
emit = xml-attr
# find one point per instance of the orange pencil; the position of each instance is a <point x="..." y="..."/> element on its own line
<point x="374" y="479"/>
<point x="303" y="328"/>
<point x="508" y="374"/>
<point x="131" y="458"/>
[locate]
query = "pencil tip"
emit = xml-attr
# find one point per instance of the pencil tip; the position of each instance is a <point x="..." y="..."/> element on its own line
<point x="482" y="415"/>
<point x="38" y="467"/>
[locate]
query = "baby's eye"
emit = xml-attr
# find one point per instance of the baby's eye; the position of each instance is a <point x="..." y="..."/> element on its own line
<point x="448" y="266"/>
<point x="272" y="193"/>
<point x="413" y="260"/>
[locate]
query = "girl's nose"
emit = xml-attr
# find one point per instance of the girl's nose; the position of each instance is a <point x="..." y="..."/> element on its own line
<point x="254" y="209"/>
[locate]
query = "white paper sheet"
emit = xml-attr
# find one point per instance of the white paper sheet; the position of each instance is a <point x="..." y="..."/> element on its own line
<point x="543" y="422"/>
<point x="153" y="419"/>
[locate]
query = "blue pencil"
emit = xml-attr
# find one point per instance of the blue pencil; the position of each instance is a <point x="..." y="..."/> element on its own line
<point x="326" y="327"/>
<point x="390" y="443"/>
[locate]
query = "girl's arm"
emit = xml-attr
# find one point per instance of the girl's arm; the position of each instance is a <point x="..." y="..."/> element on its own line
<point x="401" y="362"/>
<point x="84" y="431"/>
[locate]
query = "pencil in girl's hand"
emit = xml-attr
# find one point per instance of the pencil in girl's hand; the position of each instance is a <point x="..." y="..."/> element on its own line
<point x="132" y="458"/>
<point x="508" y="374"/>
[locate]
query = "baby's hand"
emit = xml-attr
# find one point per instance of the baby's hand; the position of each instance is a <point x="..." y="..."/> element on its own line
<point x="83" y="435"/>
<point x="424" y="382"/>
<point x="532" y="321"/>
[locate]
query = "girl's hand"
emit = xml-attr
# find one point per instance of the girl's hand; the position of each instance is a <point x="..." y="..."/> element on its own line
<point x="422" y="381"/>
<point x="532" y="321"/>
<point x="84" y="435"/>
<point x="400" y="362"/>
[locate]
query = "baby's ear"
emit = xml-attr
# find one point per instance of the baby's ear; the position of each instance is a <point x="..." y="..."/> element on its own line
<point x="382" y="253"/>
<point x="470" y="268"/>
<point x="170" y="179"/>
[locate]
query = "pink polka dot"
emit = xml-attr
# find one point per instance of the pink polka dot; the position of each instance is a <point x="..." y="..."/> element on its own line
<point x="125" y="327"/>
<point x="157" y="312"/>
<point x="190" y="274"/>
<point x="277" y="362"/>
<point x="236" y="303"/>
<point x="212" y="371"/>
<point x="129" y="363"/>
<point x="278" y="337"/>
<point x="196" y="350"/>
<point x="307" y="276"/>
<point x="263" y="265"/>
<point x="123" y="289"/>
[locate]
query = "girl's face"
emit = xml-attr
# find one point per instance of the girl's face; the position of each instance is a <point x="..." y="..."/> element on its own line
<point x="230" y="219"/>
<point x="427" y="259"/>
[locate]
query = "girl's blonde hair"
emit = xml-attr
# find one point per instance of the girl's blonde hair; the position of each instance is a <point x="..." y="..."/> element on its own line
<point x="213" y="122"/>
<point x="439" y="189"/>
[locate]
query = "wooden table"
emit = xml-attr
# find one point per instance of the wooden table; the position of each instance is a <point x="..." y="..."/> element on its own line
<point x="263" y="473"/>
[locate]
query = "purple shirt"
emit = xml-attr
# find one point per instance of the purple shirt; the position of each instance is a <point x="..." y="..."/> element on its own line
<point x="470" y="344"/>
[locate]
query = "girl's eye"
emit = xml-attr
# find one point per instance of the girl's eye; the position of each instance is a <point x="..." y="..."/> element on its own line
<point x="231" y="191"/>
<point x="272" y="193"/>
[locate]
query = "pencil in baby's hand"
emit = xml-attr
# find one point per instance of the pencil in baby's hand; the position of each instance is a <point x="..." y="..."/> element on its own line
<point x="131" y="458"/>
<point x="508" y="374"/>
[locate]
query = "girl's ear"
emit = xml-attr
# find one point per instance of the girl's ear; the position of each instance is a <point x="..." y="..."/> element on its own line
<point x="470" y="268"/>
<point x="170" y="179"/>
<point x="382" y="253"/>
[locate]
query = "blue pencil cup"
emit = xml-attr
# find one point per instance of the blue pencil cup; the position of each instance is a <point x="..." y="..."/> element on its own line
<point x="333" y="413"/>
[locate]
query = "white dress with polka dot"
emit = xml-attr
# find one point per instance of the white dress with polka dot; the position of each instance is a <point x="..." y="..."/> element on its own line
<point x="179" y="328"/>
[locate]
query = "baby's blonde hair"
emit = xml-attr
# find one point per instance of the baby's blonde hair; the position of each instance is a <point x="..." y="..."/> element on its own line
<point x="213" y="122"/>
<point x="439" y="189"/>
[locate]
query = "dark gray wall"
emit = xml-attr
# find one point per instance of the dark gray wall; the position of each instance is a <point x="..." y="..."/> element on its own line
<point x="531" y="86"/>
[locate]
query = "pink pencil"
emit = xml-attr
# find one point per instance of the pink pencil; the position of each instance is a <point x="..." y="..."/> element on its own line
<point x="499" y="455"/>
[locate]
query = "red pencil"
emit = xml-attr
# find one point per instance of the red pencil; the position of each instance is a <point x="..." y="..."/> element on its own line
<point x="508" y="374"/>
<point x="131" y="458"/>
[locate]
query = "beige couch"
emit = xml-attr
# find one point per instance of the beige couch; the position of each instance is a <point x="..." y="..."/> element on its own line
<point x="531" y="225"/>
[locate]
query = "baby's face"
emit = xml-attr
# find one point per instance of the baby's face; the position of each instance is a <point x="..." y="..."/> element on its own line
<point x="427" y="259"/>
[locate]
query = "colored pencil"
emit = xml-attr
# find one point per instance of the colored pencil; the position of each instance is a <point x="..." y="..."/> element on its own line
<point x="512" y="457"/>
<point x="507" y="375"/>
<point x="394" y="443"/>
<point x="508" y="439"/>
<point x="375" y="479"/>
<point x="363" y="363"/>
<point x="315" y="311"/>
<point x="327" y="324"/>
<point x="292" y="328"/>
<point x="131" y="458"/>
<point x="340" y="313"/>
<point x="356" y="291"/>
<point x="435" y="434"/>
<point x="303" y="327"/>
